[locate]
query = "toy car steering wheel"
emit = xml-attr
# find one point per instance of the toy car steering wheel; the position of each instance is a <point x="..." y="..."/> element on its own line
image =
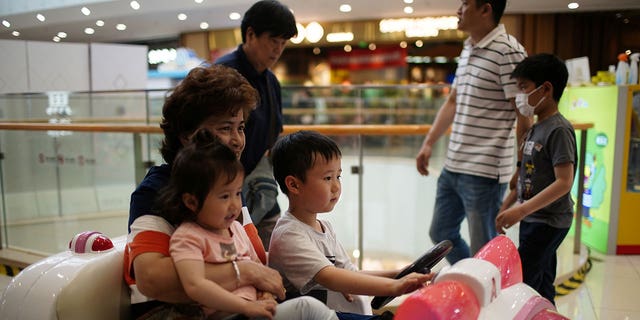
<point x="421" y="265"/>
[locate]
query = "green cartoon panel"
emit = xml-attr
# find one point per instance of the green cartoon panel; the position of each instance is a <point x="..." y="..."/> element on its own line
<point x="595" y="105"/>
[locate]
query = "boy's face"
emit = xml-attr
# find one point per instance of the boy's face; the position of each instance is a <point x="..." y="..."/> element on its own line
<point x="229" y="129"/>
<point x="534" y="94"/>
<point x="222" y="205"/>
<point x="322" y="187"/>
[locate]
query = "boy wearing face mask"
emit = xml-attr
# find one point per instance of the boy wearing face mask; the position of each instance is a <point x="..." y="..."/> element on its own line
<point x="541" y="201"/>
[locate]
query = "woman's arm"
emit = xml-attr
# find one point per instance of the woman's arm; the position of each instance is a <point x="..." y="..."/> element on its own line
<point x="156" y="277"/>
<point x="209" y="294"/>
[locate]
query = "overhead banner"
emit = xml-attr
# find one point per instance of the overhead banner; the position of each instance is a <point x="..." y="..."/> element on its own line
<point x="359" y="59"/>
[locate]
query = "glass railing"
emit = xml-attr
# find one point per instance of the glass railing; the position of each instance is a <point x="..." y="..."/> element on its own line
<point x="56" y="183"/>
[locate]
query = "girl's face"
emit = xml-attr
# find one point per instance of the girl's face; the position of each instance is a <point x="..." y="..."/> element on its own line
<point x="322" y="187"/>
<point x="230" y="131"/>
<point x="222" y="205"/>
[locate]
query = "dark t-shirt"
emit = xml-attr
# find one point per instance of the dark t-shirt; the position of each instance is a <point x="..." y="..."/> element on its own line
<point x="257" y="127"/>
<point x="548" y="143"/>
<point x="143" y="199"/>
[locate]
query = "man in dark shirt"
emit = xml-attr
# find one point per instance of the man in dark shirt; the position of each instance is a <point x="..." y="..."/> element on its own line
<point x="266" y="27"/>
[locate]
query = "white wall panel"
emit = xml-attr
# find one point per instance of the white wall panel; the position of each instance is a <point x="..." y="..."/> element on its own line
<point x="118" y="66"/>
<point x="13" y="63"/>
<point x="58" y="66"/>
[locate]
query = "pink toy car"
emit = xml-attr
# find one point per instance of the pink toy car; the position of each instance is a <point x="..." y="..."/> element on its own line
<point x="487" y="286"/>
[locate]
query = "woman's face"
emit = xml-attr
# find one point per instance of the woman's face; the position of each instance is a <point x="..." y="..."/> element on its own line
<point x="230" y="131"/>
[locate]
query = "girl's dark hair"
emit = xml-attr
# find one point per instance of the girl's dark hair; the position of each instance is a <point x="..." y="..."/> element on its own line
<point x="196" y="169"/>
<point x="296" y="153"/>
<point x="269" y="16"/>
<point x="211" y="91"/>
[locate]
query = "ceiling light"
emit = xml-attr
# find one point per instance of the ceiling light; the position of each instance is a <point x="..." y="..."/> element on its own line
<point x="204" y="25"/>
<point x="234" y="16"/>
<point x="372" y="46"/>
<point x="40" y="17"/>
<point x="345" y="8"/>
<point x="403" y="44"/>
<point x="121" y="26"/>
<point x="347" y="48"/>
<point x="15" y="33"/>
<point x="314" y="32"/>
<point x="198" y="1"/>
<point x="419" y="43"/>
<point x="182" y="16"/>
<point x="56" y="39"/>
<point x="6" y="23"/>
<point x="89" y="31"/>
<point x="573" y="5"/>
<point x="408" y="10"/>
<point x="134" y="5"/>
<point x="408" y="1"/>
<point x="62" y="35"/>
<point x="85" y="11"/>
<point x="99" y="23"/>
<point x="316" y="51"/>
<point x="301" y="33"/>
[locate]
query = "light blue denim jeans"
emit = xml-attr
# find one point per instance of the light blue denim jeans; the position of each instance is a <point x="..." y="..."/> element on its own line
<point x="459" y="196"/>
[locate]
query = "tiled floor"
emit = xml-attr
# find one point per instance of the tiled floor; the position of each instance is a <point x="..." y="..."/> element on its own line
<point x="611" y="291"/>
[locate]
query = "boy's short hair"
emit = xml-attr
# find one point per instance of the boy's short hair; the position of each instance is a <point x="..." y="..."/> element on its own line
<point x="497" y="8"/>
<point x="196" y="169"/>
<point x="211" y="91"/>
<point x="296" y="153"/>
<point x="269" y="16"/>
<point x="543" y="67"/>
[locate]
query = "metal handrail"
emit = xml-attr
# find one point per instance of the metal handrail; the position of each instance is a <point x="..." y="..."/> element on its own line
<point x="334" y="130"/>
<point x="344" y="129"/>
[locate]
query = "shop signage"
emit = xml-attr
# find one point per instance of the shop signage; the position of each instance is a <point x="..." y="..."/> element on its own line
<point x="359" y="59"/>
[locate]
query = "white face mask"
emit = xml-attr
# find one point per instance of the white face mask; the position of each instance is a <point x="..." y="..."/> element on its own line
<point x="522" y="102"/>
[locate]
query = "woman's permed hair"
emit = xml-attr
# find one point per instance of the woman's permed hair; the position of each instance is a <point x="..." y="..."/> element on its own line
<point x="196" y="169"/>
<point x="206" y="92"/>
<point x="296" y="153"/>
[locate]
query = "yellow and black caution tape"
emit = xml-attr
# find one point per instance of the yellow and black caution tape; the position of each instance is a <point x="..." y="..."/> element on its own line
<point x="9" y="271"/>
<point x="576" y="279"/>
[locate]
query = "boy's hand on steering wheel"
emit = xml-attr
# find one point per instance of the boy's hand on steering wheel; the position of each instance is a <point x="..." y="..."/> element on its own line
<point x="411" y="282"/>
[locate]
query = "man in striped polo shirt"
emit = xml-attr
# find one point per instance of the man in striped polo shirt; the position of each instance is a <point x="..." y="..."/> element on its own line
<point x="482" y="112"/>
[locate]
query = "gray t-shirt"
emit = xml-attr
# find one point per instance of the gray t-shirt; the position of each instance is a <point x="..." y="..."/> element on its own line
<point x="548" y="143"/>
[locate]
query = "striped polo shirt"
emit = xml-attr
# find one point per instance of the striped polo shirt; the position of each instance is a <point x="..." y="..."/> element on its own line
<point x="482" y="137"/>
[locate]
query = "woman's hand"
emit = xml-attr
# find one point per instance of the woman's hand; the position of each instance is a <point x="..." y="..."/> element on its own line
<point x="260" y="309"/>
<point x="261" y="277"/>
